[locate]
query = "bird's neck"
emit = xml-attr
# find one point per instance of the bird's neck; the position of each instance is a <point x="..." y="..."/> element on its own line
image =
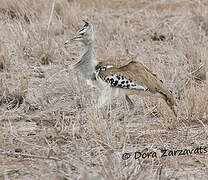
<point x="88" y="62"/>
<point x="88" y="48"/>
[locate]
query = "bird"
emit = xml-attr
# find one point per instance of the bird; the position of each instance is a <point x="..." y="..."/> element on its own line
<point x="118" y="76"/>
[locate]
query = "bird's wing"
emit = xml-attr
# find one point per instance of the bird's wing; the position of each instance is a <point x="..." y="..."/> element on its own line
<point x="122" y="61"/>
<point x="135" y="75"/>
<point x="117" y="62"/>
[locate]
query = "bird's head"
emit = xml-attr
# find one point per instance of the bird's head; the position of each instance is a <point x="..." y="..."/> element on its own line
<point x="85" y="34"/>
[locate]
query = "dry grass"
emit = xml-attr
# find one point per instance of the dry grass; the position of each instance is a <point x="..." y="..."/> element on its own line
<point x="50" y="125"/>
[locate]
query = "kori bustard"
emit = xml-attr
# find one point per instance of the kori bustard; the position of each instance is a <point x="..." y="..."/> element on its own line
<point x="118" y="76"/>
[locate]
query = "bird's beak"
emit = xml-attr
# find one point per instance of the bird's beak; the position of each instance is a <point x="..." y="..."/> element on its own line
<point x="75" y="38"/>
<point x="66" y="42"/>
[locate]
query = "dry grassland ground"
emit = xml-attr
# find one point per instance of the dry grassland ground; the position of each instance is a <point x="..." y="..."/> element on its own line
<point x="50" y="125"/>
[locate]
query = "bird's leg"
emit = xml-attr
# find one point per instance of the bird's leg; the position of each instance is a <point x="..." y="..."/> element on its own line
<point x="130" y="103"/>
<point x="109" y="110"/>
<point x="128" y="106"/>
<point x="105" y="98"/>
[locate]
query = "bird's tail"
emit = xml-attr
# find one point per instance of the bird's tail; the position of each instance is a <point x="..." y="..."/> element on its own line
<point x="169" y="99"/>
<point x="172" y="107"/>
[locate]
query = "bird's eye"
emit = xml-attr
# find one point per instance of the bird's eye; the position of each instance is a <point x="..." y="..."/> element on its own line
<point x="81" y="34"/>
